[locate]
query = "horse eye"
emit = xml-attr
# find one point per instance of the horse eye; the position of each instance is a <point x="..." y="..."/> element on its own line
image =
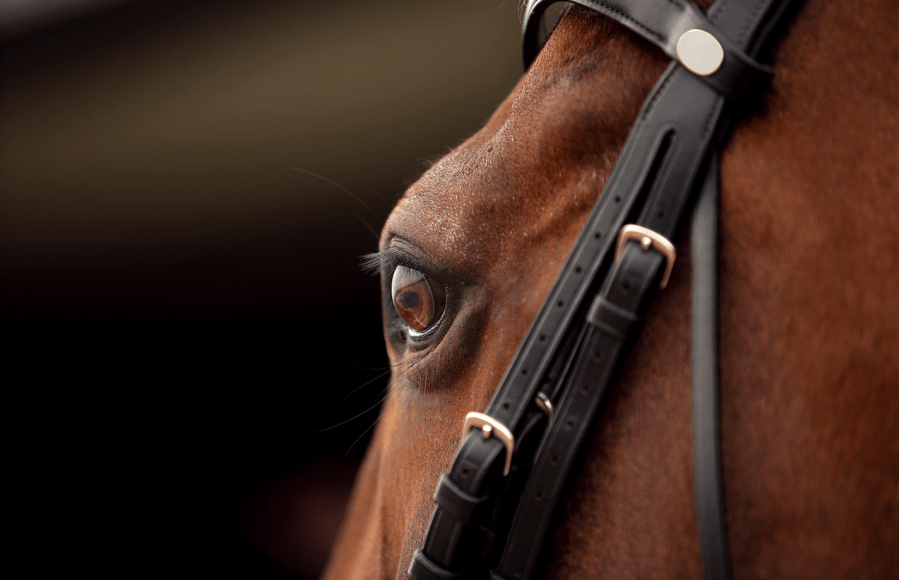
<point x="418" y="300"/>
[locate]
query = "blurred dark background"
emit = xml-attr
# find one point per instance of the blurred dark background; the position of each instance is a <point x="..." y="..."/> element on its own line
<point x="186" y="188"/>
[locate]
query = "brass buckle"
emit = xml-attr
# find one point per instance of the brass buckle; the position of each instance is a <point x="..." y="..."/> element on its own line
<point x="490" y="426"/>
<point x="648" y="239"/>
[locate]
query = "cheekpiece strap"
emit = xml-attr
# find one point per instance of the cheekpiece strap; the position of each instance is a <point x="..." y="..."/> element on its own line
<point x="497" y="502"/>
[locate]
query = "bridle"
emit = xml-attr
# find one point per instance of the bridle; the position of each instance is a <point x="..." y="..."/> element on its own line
<point x="497" y="503"/>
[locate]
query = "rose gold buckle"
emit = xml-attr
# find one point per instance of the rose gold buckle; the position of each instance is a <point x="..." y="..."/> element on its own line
<point x="490" y="426"/>
<point x="648" y="239"/>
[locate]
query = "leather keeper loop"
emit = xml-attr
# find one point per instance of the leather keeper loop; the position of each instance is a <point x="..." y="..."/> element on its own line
<point x="611" y="319"/>
<point x="460" y="504"/>
<point x="423" y="568"/>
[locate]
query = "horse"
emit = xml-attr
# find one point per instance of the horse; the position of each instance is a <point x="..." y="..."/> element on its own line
<point x="809" y="315"/>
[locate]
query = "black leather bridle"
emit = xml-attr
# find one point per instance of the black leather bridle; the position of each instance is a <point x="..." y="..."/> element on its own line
<point x="497" y="503"/>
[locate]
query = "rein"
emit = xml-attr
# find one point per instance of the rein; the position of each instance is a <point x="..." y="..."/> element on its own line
<point x="497" y="503"/>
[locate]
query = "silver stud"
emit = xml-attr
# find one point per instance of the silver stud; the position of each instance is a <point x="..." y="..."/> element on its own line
<point x="700" y="52"/>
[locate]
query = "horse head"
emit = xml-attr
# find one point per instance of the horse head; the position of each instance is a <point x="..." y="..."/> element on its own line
<point x="809" y="277"/>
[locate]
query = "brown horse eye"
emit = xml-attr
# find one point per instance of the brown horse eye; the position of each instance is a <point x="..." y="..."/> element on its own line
<point x="418" y="300"/>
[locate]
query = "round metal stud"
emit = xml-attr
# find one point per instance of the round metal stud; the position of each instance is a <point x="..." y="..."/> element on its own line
<point x="700" y="52"/>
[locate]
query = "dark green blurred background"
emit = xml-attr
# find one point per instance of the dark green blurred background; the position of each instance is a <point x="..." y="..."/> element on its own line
<point x="182" y="307"/>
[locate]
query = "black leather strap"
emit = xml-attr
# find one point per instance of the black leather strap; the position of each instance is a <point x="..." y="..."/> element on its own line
<point x="706" y="415"/>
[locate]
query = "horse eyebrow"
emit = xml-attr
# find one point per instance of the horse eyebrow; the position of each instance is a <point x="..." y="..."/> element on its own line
<point x="395" y="256"/>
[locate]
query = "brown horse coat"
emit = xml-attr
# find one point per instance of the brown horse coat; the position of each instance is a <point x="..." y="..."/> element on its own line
<point x="809" y="281"/>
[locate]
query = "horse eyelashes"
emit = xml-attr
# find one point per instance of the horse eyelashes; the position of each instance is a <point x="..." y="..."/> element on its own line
<point x="418" y="299"/>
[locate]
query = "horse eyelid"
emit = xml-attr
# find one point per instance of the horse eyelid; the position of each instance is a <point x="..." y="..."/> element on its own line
<point x="397" y="255"/>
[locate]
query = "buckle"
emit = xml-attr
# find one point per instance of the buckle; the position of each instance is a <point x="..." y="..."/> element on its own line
<point x="648" y="239"/>
<point x="490" y="426"/>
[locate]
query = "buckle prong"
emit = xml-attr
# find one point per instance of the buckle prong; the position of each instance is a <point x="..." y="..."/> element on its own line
<point x="545" y="405"/>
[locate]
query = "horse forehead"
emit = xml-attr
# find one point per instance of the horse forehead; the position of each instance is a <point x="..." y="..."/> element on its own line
<point x="463" y="208"/>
